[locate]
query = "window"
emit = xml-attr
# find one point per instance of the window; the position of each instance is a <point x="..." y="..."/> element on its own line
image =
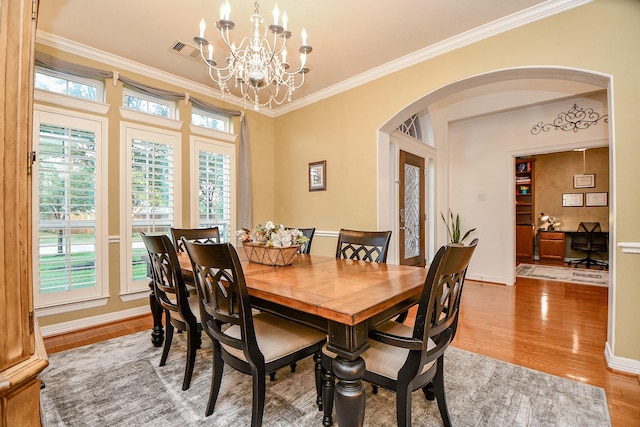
<point x="69" y="227"/>
<point x="151" y="196"/>
<point x="213" y="186"/>
<point x="148" y="104"/>
<point x="412" y="127"/>
<point x="209" y="120"/>
<point x="67" y="84"/>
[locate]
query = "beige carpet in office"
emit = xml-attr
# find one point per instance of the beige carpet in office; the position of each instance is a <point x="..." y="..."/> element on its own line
<point x="118" y="383"/>
<point x="586" y="276"/>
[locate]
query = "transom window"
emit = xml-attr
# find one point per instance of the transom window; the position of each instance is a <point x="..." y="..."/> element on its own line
<point x="149" y="104"/>
<point x="412" y="127"/>
<point x="66" y="84"/>
<point x="209" y="120"/>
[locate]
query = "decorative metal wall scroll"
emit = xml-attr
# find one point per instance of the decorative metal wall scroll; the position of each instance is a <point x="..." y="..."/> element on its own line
<point x="575" y="119"/>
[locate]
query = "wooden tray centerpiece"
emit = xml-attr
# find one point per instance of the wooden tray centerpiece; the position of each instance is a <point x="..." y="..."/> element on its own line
<point x="262" y="253"/>
<point x="270" y="244"/>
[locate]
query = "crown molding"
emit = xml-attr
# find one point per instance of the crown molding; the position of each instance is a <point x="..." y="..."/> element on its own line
<point x="534" y="13"/>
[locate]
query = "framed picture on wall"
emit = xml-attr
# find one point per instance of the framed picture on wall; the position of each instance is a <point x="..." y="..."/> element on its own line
<point x="584" y="180"/>
<point x="572" y="199"/>
<point x="318" y="176"/>
<point x="596" y="199"/>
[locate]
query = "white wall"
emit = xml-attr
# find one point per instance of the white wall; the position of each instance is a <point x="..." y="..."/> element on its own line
<point x="480" y="169"/>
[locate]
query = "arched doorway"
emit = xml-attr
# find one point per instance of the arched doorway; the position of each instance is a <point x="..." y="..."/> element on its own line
<point x="500" y="90"/>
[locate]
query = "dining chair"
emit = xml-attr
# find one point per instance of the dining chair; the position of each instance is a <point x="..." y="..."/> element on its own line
<point x="403" y="359"/>
<point x="203" y="235"/>
<point x="305" y="248"/>
<point x="181" y="308"/>
<point x="363" y="245"/>
<point x="253" y="344"/>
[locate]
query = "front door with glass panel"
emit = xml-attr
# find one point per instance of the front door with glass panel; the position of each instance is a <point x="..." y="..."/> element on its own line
<point x="412" y="209"/>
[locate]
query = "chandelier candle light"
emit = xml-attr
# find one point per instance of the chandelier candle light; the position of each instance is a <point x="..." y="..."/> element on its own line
<point x="258" y="62"/>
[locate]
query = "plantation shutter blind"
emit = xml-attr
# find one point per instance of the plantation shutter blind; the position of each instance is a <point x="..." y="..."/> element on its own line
<point x="152" y="196"/>
<point x="214" y="185"/>
<point x="66" y="209"/>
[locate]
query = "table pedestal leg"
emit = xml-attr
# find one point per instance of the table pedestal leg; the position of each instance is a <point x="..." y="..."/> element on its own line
<point x="349" y="392"/>
<point x="157" y="333"/>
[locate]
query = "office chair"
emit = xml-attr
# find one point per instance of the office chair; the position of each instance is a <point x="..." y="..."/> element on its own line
<point x="589" y="239"/>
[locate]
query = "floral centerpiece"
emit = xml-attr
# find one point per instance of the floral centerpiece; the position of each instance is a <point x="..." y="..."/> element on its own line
<point x="270" y="244"/>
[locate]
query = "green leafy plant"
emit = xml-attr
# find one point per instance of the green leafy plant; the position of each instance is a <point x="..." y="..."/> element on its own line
<point x="453" y="228"/>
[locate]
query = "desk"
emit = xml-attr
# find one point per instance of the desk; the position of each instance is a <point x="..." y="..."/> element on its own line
<point x="345" y="298"/>
<point x="551" y="246"/>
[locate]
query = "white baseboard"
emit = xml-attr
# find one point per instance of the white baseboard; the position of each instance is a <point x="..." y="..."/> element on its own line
<point x="621" y="364"/>
<point x="490" y="279"/>
<point x="88" y="322"/>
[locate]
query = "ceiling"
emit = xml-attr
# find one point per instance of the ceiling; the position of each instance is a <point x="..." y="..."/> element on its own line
<point x="353" y="41"/>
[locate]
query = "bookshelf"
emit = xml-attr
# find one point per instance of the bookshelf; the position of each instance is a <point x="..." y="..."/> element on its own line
<point x="525" y="208"/>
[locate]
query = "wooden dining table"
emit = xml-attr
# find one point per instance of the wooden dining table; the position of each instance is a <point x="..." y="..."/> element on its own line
<point x="344" y="298"/>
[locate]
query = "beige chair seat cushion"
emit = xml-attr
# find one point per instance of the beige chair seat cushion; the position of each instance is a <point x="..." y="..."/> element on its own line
<point x="194" y="304"/>
<point x="386" y="360"/>
<point x="276" y="337"/>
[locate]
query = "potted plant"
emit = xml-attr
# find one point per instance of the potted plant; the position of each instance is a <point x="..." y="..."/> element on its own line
<point x="453" y="228"/>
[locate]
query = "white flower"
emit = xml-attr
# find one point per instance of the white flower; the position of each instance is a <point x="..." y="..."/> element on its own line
<point x="273" y="235"/>
<point x="281" y="238"/>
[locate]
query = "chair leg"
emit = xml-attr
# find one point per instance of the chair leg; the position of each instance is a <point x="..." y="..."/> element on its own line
<point x="328" y="388"/>
<point x="317" y="357"/>
<point x="403" y="405"/>
<point x="293" y="366"/>
<point x="167" y="340"/>
<point x="438" y="383"/>
<point x="402" y="317"/>
<point x="272" y="376"/>
<point x="216" y="378"/>
<point x="429" y="392"/>
<point x="198" y="338"/>
<point x="259" y="390"/>
<point x="192" y="346"/>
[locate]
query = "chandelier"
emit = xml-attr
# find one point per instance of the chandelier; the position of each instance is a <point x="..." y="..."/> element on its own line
<point x="258" y="65"/>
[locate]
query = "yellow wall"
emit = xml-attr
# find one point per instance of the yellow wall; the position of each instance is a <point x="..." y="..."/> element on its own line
<point x="600" y="37"/>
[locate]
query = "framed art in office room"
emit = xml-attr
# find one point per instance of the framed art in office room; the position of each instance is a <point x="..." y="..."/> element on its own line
<point x="596" y="199"/>
<point x="318" y="176"/>
<point x="572" y="199"/>
<point x="584" y="181"/>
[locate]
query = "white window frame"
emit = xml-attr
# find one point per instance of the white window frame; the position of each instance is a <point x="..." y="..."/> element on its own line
<point x="129" y="289"/>
<point x="76" y="299"/>
<point x="135" y="94"/>
<point x="198" y="144"/>
<point x="98" y="84"/>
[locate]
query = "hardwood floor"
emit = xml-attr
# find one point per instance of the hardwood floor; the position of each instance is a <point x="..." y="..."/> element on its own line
<point x="553" y="327"/>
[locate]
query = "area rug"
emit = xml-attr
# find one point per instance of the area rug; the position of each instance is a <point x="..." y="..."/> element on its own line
<point x="118" y="383"/>
<point x="564" y="274"/>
